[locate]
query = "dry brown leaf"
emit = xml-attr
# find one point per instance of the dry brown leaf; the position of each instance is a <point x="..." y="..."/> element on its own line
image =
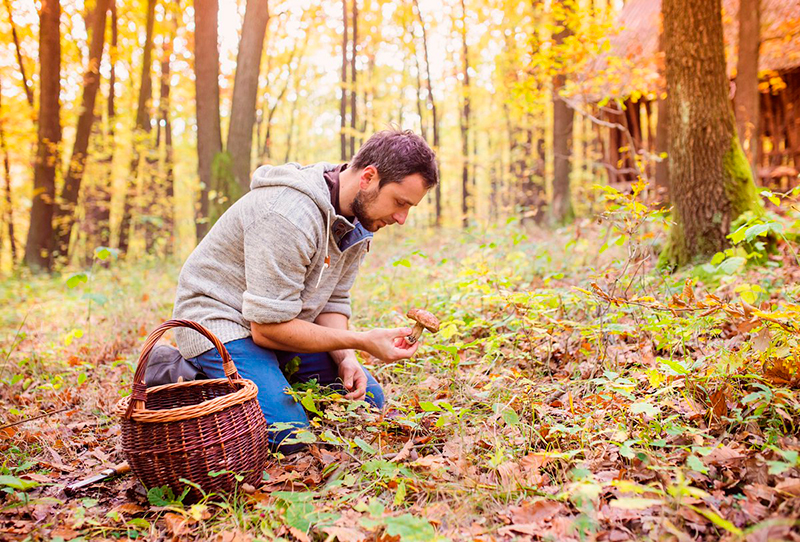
<point x="129" y="508"/>
<point x="404" y="453"/>
<point x="345" y="534"/>
<point x="177" y="524"/>
<point x="536" y="511"/>
<point x="524" y="528"/>
<point x="509" y="474"/>
<point x="724" y="455"/>
<point x="64" y="532"/>
<point x="718" y="406"/>
<point x="232" y="536"/>
<point x="790" y="486"/>
<point x="299" y="535"/>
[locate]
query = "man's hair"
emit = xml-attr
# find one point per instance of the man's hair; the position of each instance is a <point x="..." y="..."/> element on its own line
<point x="396" y="154"/>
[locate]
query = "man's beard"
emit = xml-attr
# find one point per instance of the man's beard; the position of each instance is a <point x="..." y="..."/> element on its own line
<point x="360" y="206"/>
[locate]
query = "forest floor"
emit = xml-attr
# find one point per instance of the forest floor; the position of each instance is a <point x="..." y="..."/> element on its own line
<point x="574" y="392"/>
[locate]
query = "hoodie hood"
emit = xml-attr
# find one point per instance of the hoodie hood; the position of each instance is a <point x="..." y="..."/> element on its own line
<point x="306" y="179"/>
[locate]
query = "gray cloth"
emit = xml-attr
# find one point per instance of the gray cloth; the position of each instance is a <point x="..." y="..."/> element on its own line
<point x="264" y="259"/>
<point x="166" y="366"/>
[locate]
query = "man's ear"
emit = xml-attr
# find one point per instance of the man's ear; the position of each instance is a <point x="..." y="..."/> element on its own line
<point x="369" y="177"/>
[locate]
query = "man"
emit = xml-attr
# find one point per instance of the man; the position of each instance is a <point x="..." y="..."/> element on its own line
<point x="272" y="278"/>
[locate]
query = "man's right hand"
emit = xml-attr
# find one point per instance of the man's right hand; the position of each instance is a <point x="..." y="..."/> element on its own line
<point x="389" y="344"/>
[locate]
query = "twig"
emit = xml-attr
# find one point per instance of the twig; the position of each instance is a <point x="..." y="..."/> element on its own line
<point x="6" y="426"/>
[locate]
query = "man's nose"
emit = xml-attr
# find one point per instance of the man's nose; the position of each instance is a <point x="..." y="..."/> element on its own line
<point x="400" y="218"/>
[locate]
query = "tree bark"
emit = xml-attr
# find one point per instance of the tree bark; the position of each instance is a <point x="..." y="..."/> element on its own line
<point x="435" y="120"/>
<point x="746" y="99"/>
<point x="162" y="193"/>
<point x="245" y="89"/>
<point x="353" y="88"/>
<point x="40" y="232"/>
<point x="563" y="117"/>
<point x="9" y="211"/>
<point x="343" y="103"/>
<point x="25" y="82"/>
<point x="662" y="140"/>
<point x="68" y="200"/>
<point x="711" y="181"/>
<point x="209" y="137"/>
<point x="103" y="203"/>
<point x="141" y="130"/>
<point x="465" y="121"/>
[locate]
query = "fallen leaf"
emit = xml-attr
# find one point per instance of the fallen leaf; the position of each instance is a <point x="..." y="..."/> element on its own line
<point x="299" y="535"/>
<point x="177" y="524"/>
<point x="536" y="511"/>
<point x="790" y="486"/>
<point x="345" y="534"/>
<point x="404" y="453"/>
<point x="719" y="406"/>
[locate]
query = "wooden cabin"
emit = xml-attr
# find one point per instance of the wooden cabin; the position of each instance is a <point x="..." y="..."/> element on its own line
<point x="638" y="83"/>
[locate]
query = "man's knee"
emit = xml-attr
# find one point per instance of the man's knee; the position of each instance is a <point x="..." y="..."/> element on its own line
<point x="375" y="395"/>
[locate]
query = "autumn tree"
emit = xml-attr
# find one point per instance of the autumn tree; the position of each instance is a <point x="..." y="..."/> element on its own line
<point x="464" y="119"/>
<point x="432" y="106"/>
<point x="68" y="200"/>
<point x="97" y="196"/>
<point x="209" y="132"/>
<point x="746" y="99"/>
<point x="563" y="116"/>
<point x="711" y="180"/>
<point x="245" y="89"/>
<point x="141" y="136"/>
<point x="40" y="231"/>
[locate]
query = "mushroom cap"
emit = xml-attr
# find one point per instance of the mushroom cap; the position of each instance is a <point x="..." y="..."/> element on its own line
<point x="425" y="318"/>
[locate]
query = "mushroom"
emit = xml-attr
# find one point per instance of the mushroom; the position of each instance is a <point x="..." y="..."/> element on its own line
<point x="423" y="320"/>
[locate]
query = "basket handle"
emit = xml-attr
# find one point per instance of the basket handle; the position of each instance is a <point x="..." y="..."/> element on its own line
<point x="139" y="395"/>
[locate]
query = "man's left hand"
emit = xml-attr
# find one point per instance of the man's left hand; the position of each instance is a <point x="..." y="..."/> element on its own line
<point x="353" y="378"/>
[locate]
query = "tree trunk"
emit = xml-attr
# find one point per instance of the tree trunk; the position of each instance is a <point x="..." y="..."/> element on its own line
<point x="563" y="117"/>
<point x="746" y="99"/>
<point x="711" y="181"/>
<point x="245" y="89"/>
<point x="141" y="130"/>
<point x="662" y="146"/>
<point x="68" y="200"/>
<point x="162" y="193"/>
<point x="209" y="137"/>
<point x="9" y="211"/>
<point x="435" y="120"/>
<point x="40" y="232"/>
<point x="465" y="122"/>
<point x="103" y="203"/>
<point x="343" y="103"/>
<point x="26" y="84"/>
<point x="97" y="198"/>
<point x="353" y="87"/>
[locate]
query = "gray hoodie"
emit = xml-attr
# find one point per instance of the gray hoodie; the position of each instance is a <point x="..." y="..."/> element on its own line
<point x="278" y="253"/>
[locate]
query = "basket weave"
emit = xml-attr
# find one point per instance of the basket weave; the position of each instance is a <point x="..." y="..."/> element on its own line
<point x="189" y="429"/>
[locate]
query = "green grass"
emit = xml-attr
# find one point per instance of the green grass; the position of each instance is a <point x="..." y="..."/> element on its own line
<point x="541" y="406"/>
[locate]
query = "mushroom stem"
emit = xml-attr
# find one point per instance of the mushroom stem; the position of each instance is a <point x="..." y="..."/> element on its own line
<point x="415" y="333"/>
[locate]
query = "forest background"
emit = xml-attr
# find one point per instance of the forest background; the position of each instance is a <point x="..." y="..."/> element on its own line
<point x="612" y="251"/>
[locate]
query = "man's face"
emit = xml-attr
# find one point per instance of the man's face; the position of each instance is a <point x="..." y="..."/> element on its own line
<point x="378" y="207"/>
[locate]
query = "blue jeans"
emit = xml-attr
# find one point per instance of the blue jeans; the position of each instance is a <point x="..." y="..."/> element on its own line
<point x="266" y="368"/>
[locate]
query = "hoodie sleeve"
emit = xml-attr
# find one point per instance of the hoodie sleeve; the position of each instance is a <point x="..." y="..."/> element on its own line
<point x="277" y="255"/>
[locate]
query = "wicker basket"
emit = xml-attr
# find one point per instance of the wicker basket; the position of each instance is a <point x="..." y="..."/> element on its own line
<point x="190" y="429"/>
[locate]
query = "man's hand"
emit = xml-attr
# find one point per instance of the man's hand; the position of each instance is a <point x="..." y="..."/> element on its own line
<point x="353" y="378"/>
<point x="390" y="344"/>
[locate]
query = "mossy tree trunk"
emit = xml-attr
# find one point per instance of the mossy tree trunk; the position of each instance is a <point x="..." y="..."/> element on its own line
<point x="711" y="182"/>
<point x="563" y="118"/>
